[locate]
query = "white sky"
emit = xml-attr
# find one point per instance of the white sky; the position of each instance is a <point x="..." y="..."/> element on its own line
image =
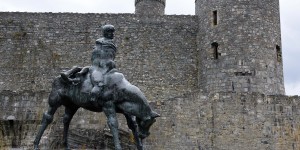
<point x="290" y="23"/>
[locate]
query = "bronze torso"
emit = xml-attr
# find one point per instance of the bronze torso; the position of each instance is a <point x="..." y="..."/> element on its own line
<point x="105" y="49"/>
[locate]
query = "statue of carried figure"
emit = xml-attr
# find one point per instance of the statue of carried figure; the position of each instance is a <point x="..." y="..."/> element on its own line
<point x="100" y="88"/>
<point x="103" y="57"/>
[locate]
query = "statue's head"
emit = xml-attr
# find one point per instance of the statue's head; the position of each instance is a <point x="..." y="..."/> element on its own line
<point x="108" y="31"/>
<point x="144" y="126"/>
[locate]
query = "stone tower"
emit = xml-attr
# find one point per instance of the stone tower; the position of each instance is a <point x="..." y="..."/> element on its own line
<point x="150" y="7"/>
<point x="240" y="46"/>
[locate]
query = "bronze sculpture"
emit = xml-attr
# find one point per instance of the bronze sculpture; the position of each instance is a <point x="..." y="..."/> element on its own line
<point x="100" y="87"/>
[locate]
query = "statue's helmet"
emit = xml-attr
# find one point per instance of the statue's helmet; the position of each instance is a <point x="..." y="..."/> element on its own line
<point x="108" y="28"/>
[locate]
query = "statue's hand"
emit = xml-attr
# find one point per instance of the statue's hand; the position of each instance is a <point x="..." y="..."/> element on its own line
<point x="93" y="99"/>
<point x="75" y="81"/>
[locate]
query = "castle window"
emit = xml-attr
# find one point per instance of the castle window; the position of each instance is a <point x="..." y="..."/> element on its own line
<point x="215" y="51"/>
<point x="215" y="17"/>
<point x="279" y="54"/>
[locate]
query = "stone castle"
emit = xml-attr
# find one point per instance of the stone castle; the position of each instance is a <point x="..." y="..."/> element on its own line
<point x="215" y="77"/>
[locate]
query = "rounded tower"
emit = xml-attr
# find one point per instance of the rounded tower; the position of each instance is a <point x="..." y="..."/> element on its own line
<point x="240" y="46"/>
<point x="150" y="7"/>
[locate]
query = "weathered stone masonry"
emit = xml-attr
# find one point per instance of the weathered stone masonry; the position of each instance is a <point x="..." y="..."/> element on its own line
<point x="228" y="121"/>
<point x="35" y="46"/>
<point x="210" y="76"/>
<point x="196" y="120"/>
<point x="247" y="33"/>
<point x="150" y="7"/>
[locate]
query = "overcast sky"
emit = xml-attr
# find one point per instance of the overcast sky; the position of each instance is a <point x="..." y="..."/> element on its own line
<point x="290" y="23"/>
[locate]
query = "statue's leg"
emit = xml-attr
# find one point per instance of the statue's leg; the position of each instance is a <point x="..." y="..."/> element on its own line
<point x="134" y="128"/>
<point x="110" y="112"/>
<point x="73" y="70"/>
<point x="66" y="75"/>
<point x="69" y="113"/>
<point x="47" y="119"/>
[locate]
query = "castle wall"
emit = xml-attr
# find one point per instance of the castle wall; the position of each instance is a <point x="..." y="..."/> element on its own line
<point x="248" y="57"/>
<point x="156" y="54"/>
<point x="20" y="117"/>
<point x="226" y="121"/>
<point x="205" y="102"/>
<point x="193" y="121"/>
<point x="21" y="114"/>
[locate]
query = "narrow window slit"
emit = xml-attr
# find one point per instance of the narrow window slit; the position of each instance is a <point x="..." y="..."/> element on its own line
<point x="214" y="47"/>
<point x="215" y="17"/>
<point x="279" y="53"/>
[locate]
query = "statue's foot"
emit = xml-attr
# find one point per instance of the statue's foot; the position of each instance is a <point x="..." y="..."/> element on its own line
<point x="143" y="135"/>
<point x="67" y="147"/>
<point x="140" y="147"/>
<point x="118" y="147"/>
<point x="93" y="99"/>
<point x="64" y="76"/>
<point x="36" y="147"/>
